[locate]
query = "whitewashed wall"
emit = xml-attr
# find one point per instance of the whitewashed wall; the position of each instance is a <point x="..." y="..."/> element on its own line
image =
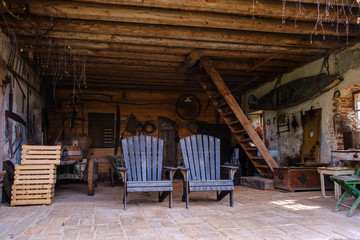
<point x="347" y="64"/>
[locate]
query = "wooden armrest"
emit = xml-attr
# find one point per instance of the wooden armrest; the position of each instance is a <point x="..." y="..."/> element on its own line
<point x="181" y="168"/>
<point x="229" y="167"/>
<point x="170" y="168"/>
<point x="183" y="171"/>
<point x="122" y="171"/>
<point x="232" y="170"/>
<point x="121" y="168"/>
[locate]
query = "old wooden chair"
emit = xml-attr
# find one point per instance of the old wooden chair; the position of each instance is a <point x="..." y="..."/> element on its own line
<point x="117" y="161"/>
<point x="201" y="155"/>
<point x="348" y="183"/>
<point x="143" y="167"/>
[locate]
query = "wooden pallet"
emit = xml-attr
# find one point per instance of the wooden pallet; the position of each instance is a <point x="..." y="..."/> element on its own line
<point x="32" y="154"/>
<point x="33" y="184"/>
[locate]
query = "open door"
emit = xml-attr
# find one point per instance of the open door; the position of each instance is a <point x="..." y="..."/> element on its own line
<point x="168" y="131"/>
<point x="311" y="137"/>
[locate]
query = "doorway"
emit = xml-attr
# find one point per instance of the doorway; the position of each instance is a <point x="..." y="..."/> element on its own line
<point x="311" y="136"/>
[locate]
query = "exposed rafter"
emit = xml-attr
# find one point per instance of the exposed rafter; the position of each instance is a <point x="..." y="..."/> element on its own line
<point x="145" y="44"/>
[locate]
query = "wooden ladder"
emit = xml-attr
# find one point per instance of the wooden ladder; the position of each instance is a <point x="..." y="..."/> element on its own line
<point x="236" y="120"/>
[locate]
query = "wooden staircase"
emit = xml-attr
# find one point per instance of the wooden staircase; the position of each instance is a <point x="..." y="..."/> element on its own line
<point x="237" y="121"/>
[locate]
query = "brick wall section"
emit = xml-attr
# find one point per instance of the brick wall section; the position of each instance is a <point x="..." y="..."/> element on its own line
<point x="342" y="105"/>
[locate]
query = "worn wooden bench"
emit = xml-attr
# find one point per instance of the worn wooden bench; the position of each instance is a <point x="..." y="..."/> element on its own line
<point x="348" y="183"/>
<point x="143" y="167"/>
<point x="201" y="155"/>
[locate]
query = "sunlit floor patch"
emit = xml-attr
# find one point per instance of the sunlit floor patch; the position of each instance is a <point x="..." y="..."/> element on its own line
<point x="291" y="204"/>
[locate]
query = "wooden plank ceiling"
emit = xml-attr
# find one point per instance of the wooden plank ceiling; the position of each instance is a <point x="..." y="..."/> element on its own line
<point x="142" y="45"/>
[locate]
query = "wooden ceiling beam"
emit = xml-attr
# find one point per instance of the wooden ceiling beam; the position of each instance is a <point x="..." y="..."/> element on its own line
<point x="139" y="62"/>
<point x="41" y="26"/>
<point x="94" y="45"/>
<point x="347" y="3"/>
<point x="234" y="64"/>
<point x="103" y="79"/>
<point x="132" y="68"/>
<point x="109" y="67"/>
<point x="128" y="75"/>
<point x="134" y="82"/>
<point x="110" y="62"/>
<point x="274" y="9"/>
<point x="80" y="53"/>
<point x="107" y="75"/>
<point x="165" y="75"/>
<point x="182" y="43"/>
<point x="261" y="63"/>
<point x="133" y="87"/>
<point x="88" y="11"/>
<point x="59" y="58"/>
<point x="238" y="72"/>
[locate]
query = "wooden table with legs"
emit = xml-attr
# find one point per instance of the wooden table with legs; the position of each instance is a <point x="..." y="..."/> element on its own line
<point x="334" y="171"/>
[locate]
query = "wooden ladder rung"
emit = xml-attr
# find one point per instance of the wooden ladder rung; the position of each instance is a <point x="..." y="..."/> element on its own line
<point x="234" y="122"/>
<point x="244" y="140"/>
<point x="227" y="114"/>
<point x="241" y="131"/>
<point x="262" y="166"/>
<point x="222" y="105"/>
<point x="256" y="158"/>
<point x="250" y="149"/>
<point x="217" y="96"/>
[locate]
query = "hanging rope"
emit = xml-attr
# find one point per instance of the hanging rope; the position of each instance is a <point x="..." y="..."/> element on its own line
<point x="325" y="64"/>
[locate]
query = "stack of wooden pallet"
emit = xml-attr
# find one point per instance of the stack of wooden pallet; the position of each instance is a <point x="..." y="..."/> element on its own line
<point x="35" y="178"/>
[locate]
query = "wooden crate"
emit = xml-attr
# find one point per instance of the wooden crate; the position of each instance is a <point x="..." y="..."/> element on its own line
<point x="32" y="194"/>
<point x="32" y="154"/>
<point x="33" y="184"/>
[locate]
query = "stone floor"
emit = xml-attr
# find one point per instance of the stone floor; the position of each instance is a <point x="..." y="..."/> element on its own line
<point x="257" y="214"/>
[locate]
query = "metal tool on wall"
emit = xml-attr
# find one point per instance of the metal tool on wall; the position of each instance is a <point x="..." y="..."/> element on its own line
<point x="283" y="124"/>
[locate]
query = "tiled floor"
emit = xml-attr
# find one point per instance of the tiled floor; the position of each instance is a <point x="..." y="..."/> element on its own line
<point x="257" y="214"/>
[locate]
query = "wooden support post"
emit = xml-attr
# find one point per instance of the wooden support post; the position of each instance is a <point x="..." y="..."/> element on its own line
<point x="117" y="134"/>
<point x="191" y="59"/>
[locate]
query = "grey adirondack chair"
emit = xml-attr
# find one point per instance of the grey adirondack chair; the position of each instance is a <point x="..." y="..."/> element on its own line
<point x="143" y="167"/>
<point x="201" y="155"/>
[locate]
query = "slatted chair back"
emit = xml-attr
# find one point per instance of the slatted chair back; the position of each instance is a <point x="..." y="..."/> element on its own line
<point x="143" y="158"/>
<point x="201" y="154"/>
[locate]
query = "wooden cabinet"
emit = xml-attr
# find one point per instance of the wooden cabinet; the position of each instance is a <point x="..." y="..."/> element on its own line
<point x="299" y="178"/>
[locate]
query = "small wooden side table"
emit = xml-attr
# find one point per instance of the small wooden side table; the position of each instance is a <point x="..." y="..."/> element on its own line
<point x="334" y="171"/>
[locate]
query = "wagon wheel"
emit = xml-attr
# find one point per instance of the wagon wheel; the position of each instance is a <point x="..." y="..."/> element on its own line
<point x="91" y="177"/>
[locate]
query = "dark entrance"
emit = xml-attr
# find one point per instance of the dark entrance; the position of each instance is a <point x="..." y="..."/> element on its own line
<point x="168" y="131"/>
<point x="221" y="131"/>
